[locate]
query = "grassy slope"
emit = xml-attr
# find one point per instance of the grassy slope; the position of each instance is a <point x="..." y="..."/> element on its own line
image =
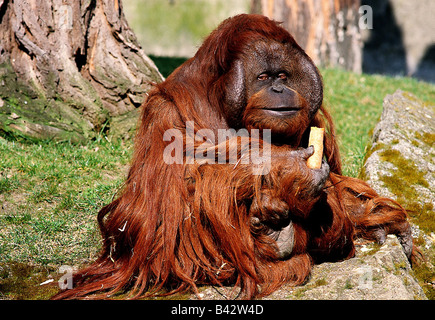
<point x="355" y="102"/>
<point x="51" y="192"/>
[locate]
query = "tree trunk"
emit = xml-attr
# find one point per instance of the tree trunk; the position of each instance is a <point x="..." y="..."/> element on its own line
<point x="326" y="29"/>
<point x="69" y="69"/>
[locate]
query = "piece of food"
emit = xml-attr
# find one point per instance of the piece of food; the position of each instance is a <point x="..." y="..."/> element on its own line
<point x="316" y="140"/>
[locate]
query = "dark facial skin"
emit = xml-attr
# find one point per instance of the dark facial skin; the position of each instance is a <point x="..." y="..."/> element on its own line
<point x="283" y="102"/>
<point x="274" y="86"/>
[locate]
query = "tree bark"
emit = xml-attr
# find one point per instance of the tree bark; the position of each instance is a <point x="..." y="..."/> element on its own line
<point x="70" y="68"/>
<point x="326" y="29"/>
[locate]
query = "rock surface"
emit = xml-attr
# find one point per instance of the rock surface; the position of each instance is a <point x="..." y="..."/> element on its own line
<point x="403" y="150"/>
<point x="375" y="273"/>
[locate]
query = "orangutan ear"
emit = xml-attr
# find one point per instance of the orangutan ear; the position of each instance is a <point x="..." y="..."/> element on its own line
<point x="235" y="95"/>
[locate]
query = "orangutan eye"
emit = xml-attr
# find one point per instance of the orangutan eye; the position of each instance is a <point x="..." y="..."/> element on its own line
<point x="282" y="76"/>
<point x="263" y="76"/>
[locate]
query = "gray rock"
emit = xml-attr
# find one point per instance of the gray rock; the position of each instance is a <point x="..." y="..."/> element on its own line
<point x="402" y="156"/>
<point x="375" y="273"/>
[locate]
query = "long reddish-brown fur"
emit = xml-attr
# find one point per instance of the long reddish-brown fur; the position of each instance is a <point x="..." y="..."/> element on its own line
<point x="176" y="226"/>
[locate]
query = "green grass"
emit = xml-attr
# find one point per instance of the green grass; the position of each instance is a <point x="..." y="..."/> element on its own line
<point x="50" y="192"/>
<point x="355" y="102"/>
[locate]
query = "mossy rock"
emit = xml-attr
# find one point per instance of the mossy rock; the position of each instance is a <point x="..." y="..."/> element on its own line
<point x="401" y="165"/>
<point x="401" y="161"/>
<point x="377" y="272"/>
